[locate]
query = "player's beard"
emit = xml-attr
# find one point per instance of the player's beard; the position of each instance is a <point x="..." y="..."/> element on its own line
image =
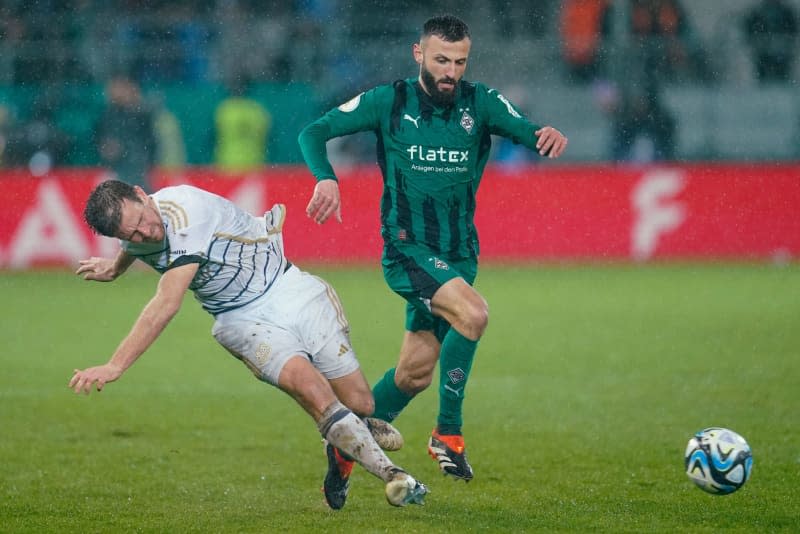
<point x="440" y="98"/>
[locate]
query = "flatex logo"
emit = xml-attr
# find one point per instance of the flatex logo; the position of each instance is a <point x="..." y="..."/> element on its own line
<point x="439" y="155"/>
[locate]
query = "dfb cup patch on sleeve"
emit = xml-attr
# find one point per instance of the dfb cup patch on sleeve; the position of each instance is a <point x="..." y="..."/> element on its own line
<point x="351" y="104"/>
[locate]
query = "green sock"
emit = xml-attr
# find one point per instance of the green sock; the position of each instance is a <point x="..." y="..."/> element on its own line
<point x="455" y="361"/>
<point x="389" y="400"/>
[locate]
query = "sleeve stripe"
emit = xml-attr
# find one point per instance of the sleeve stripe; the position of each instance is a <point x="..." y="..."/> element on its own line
<point x="177" y="210"/>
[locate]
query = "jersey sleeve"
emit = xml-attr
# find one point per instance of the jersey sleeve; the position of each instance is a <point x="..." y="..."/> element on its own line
<point x="505" y="119"/>
<point x="361" y="113"/>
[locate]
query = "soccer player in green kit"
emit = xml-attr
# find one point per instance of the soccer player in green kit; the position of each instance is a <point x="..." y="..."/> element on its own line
<point x="433" y="140"/>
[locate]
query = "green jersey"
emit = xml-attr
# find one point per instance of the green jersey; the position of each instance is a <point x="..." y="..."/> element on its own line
<point x="431" y="158"/>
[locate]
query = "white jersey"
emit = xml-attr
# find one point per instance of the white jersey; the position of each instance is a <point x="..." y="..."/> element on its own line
<point x="240" y="255"/>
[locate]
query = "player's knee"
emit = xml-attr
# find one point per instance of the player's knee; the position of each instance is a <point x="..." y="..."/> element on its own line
<point x="356" y="396"/>
<point x="363" y="406"/>
<point x="476" y="320"/>
<point x="413" y="382"/>
<point x="412" y="386"/>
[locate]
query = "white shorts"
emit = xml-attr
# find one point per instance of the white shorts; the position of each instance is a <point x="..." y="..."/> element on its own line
<point x="299" y="316"/>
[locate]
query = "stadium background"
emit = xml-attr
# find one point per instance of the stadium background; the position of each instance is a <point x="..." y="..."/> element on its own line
<point x="715" y="185"/>
<point x="304" y="56"/>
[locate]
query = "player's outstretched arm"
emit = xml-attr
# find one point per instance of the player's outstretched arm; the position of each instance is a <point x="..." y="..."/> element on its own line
<point x="151" y="322"/>
<point x="105" y="269"/>
<point x="325" y="202"/>
<point x="551" y="142"/>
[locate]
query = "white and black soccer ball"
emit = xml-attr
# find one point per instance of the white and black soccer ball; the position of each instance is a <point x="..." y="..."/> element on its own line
<point x="718" y="460"/>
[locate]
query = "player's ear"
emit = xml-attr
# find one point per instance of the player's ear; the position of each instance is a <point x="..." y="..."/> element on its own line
<point x="416" y="49"/>
<point x="143" y="196"/>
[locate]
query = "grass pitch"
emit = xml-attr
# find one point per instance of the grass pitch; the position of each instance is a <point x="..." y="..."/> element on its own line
<point x="586" y="388"/>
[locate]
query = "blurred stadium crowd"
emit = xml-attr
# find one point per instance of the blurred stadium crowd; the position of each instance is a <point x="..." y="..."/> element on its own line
<point x="626" y="80"/>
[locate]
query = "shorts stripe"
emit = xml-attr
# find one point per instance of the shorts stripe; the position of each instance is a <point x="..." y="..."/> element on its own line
<point x="337" y="304"/>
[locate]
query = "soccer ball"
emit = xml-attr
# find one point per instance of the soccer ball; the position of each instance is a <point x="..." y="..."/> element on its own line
<point x="718" y="460"/>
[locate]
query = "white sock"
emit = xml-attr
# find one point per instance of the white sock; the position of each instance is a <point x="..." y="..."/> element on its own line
<point x="347" y="432"/>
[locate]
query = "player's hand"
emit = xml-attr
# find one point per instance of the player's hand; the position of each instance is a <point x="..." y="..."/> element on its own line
<point x="551" y="142"/>
<point x="98" y="269"/>
<point x="325" y="202"/>
<point x="99" y="376"/>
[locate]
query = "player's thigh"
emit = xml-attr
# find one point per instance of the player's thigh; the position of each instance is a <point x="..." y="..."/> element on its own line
<point x="459" y="304"/>
<point x="417" y="275"/>
<point x="278" y="356"/>
<point x="306" y="385"/>
<point x="264" y="347"/>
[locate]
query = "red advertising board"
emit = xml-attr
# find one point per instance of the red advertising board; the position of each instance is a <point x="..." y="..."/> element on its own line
<point x="542" y="213"/>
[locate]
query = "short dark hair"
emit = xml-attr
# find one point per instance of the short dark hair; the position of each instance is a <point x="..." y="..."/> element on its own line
<point x="103" y="211"/>
<point x="446" y="27"/>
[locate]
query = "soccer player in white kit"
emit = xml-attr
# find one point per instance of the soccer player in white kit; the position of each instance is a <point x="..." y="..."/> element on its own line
<point x="285" y="325"/>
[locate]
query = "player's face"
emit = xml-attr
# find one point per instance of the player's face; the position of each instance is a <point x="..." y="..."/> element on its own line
<point x="441" y="66"/>
<point x="140" y="222"/>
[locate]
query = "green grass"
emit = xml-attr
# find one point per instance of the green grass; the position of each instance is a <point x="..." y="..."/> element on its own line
<point x="586" y="388"/>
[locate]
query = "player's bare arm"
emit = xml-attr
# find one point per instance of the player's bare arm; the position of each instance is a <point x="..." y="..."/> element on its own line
<point x="325" y="202"/>
<point x="551" y="142"/>
<point x="151" y="322"/>
<point x="105" y="269"/>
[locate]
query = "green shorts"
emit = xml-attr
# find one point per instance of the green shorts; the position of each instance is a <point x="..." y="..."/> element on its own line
<point x="415" y="273"/>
